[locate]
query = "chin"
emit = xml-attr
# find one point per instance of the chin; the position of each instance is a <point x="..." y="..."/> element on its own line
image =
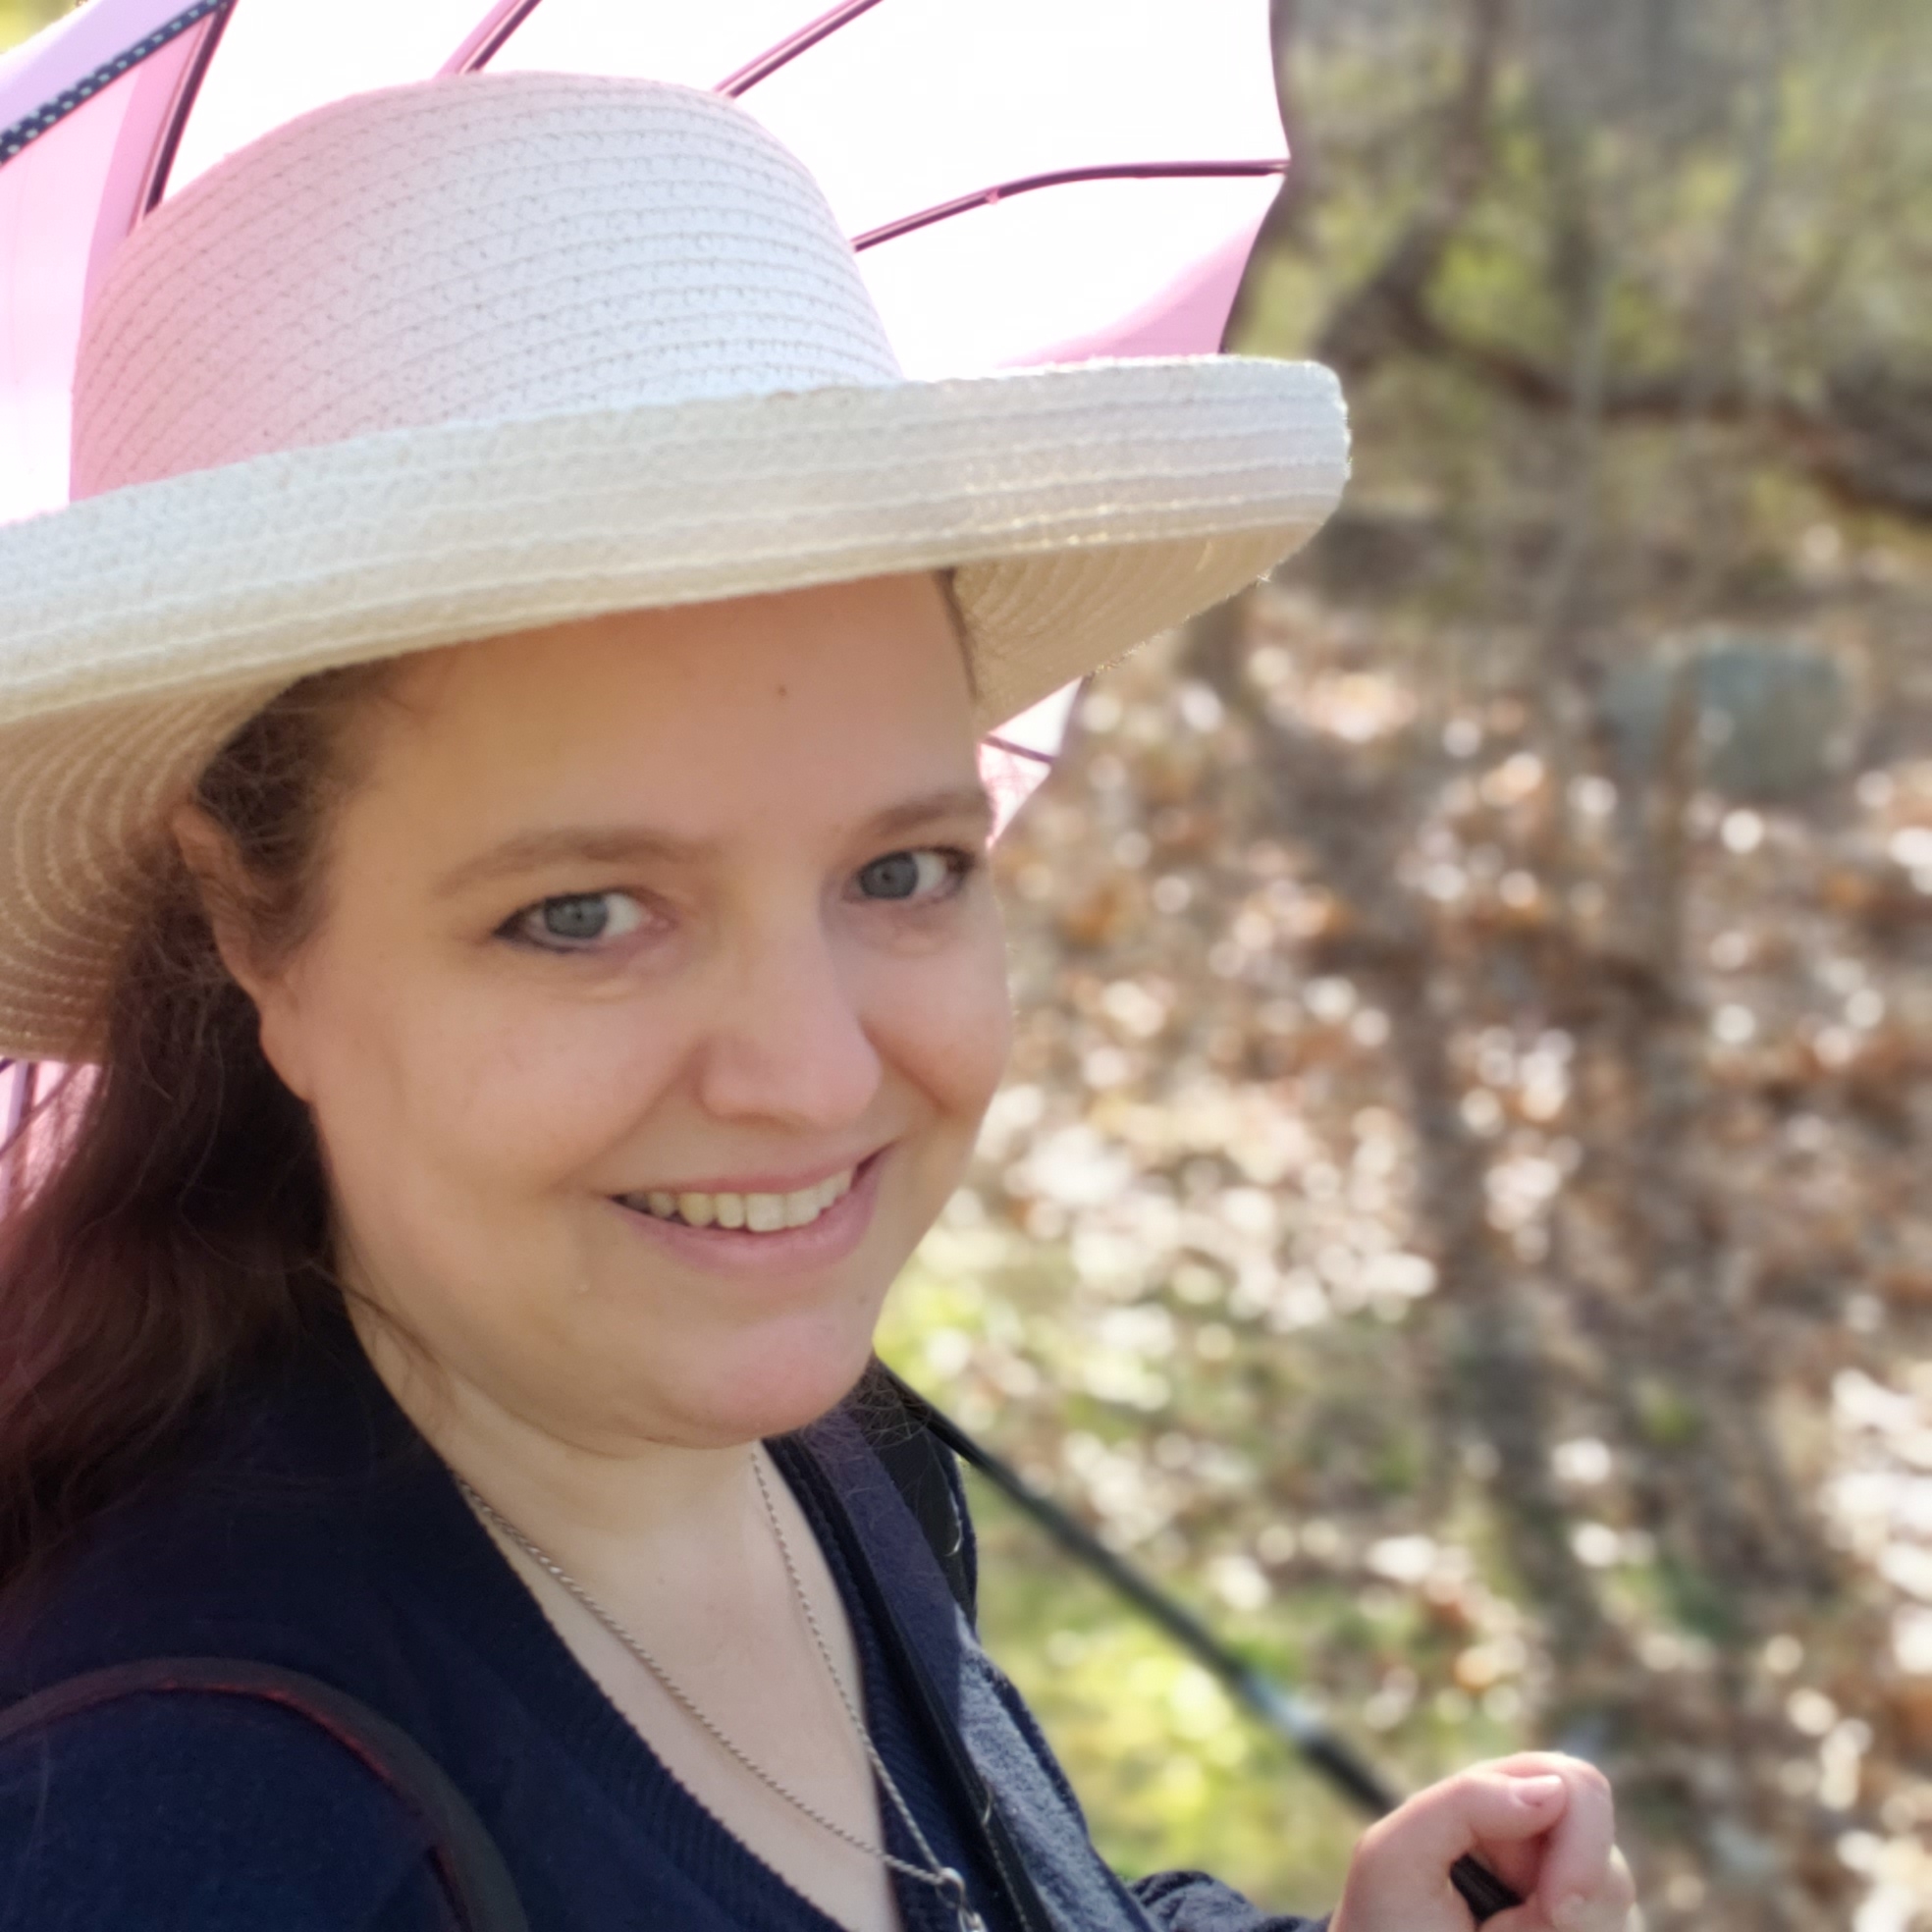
<point x="772" y="1386"/>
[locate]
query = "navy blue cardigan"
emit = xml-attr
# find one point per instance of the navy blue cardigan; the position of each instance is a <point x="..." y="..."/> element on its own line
<point x="314" y="1530"/>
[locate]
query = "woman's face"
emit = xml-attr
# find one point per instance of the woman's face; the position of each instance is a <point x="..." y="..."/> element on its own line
<point x="656" y="998"/>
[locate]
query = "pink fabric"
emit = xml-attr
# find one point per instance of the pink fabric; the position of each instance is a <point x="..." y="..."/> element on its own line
<point x="921" y="100"/>
<point x="40" y="1100"/>
<point x="280" y="58"/>
<point x="157" y="85"/>
<point x="1014" y="764"/>
<point x="66" y="202"/>
<point x="51" y="198"/>
<point x="1191" y="310"/>
<point x="67" y="52"/>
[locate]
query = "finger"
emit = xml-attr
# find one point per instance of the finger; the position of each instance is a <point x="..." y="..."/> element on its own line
<point x="1399" y="1875"/>
<point x="1577" y="1871"/>
<point x="1480" y="1807"/>
<point x="1607" y="1909"/>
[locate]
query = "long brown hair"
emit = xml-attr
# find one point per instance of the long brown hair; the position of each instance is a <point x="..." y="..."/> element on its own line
<point x="170" y="1226"/>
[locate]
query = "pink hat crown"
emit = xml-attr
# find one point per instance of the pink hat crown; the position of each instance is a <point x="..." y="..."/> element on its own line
<point x="480" y="247"/>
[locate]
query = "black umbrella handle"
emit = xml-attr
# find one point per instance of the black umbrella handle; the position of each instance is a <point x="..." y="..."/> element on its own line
<point x="1482" y="1892"/>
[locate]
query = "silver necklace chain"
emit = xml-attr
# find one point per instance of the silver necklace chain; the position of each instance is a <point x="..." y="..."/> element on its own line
<point x="943" y="1879"/>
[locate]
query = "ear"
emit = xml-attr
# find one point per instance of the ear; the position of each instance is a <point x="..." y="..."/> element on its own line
<point x="221" y="882"/>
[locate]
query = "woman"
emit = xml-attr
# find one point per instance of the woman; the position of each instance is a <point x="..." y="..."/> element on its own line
<point x="490" y="776"/>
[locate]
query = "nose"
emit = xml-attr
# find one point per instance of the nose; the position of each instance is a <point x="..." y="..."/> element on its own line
<point x="788" y="1045"/>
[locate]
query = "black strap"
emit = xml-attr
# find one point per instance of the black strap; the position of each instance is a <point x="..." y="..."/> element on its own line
<point x="896" y="1422"/>
<point x="477" y="1891"/>
<point x="907" y="1433"/>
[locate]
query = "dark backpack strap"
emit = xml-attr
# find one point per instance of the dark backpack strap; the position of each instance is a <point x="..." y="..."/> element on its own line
<point x="475" y="1882"/>
<point x="895" y="1421"/>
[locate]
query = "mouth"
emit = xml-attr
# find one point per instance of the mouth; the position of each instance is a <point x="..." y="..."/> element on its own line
<point x="749" y="1212"/>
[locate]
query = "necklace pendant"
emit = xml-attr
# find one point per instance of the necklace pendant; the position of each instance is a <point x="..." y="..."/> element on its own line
<point x="954" y="1887"/>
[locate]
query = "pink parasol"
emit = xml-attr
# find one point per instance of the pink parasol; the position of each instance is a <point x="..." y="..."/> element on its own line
<point x="1028" y="181"/>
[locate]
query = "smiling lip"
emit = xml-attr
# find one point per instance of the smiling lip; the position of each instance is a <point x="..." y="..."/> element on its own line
<point x="830" y="1237"/>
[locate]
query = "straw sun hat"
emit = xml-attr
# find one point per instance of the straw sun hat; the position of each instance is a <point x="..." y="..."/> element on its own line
<point x="459" y="357"/>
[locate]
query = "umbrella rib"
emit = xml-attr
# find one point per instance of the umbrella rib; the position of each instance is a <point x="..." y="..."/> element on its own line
<point x="742" y="79"/>
<point x="987" y="198"/>
<point x="50" y="114"/>
<point x="487" y="37"/>
<point x="162" y="162"/>
<point x="1018" y="750"/>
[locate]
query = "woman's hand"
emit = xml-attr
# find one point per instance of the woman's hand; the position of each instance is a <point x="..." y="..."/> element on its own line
<point x="1543" y="1824"/>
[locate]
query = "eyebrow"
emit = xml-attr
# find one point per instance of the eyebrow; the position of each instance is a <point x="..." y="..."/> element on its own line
<point x="604" y="845"/>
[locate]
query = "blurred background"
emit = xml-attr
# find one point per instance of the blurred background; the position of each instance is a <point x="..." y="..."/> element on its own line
<point x="1459" y="1213"/>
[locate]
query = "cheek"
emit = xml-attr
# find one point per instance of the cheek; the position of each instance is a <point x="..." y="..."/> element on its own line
<point x="558" y="1090"/>
<point x="948" y="1027"/>
<point x="460" y="1120"/>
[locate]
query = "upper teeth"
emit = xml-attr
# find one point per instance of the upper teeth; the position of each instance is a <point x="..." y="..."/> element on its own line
<point x="762" y="1213"/>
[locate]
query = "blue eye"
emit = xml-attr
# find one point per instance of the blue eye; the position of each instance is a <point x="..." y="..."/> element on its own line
<point x="908" y="875"/>
<point x="574" y="921"/>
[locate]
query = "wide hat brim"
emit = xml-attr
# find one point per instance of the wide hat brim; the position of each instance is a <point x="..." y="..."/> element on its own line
<point x="1085" y="507"/>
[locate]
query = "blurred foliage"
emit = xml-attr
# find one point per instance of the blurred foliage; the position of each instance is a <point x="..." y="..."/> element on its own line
<point x="1457" y="1214"/>
<point x="20" y="18"/>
